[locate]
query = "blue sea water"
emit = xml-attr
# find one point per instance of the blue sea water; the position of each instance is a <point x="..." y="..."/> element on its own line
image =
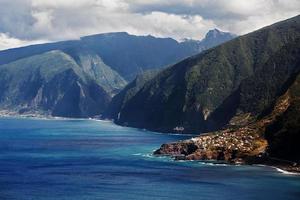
<point x="85" y="159"/>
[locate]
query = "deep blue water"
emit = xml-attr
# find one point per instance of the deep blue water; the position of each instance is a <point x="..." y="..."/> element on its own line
<point x="85" y="159"/>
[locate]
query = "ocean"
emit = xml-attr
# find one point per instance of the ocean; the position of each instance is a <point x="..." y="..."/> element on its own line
<point x="65" y="159"/>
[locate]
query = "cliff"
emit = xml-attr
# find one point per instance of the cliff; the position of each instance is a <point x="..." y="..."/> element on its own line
<point x="206" y="92"/>
<point x="272" y="140"/>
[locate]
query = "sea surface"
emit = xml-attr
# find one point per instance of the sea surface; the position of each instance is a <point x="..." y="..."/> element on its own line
<point x="86" y="159"/>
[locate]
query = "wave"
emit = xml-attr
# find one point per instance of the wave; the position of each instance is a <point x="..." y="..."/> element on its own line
<point x="178" y="134"/>
<point x="214" y="164"/>
<point x="137" y="154"/>
<point x="278" y="169"/>
<point x="285" y="172"/>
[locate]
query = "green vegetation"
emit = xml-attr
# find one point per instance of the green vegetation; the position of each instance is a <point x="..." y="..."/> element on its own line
<point x="283" y="134"/>
<point x="51" y="83"/>
<point x="192" y="93"/>
<point x="116" y="105"/>
<point x="95" y="68"/>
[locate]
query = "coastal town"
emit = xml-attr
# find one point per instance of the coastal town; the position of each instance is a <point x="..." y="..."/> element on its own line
<point x="227" y="145"/>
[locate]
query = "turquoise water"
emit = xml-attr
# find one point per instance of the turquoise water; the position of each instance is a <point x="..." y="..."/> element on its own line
<point x="85" y="159"/>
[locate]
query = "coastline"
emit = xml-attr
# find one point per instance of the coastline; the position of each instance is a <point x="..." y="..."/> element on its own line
<point x="282" y="168"/>
<point x="286" y="172"/>
<point x="233" y="148"/>
<point x="279" y="168"/>
<point x="41" y="116"/>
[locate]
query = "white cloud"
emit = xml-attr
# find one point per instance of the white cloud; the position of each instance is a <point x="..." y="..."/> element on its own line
<point x="237" y="16"/>
<point x="177" y="26"/>
<point x="7" y="42"/>
<point x="31" y="20"/>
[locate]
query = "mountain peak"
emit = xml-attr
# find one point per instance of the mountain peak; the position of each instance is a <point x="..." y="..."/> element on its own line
<point x="214" y="33"/>
<point x="214" y="37"/>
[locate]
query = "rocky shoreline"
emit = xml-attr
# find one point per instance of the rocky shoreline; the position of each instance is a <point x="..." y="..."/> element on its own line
<point x="241" y="146"/>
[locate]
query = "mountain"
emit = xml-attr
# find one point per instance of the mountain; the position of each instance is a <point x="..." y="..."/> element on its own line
<point x="99" y="66"/>
<point x="190" y="95"/>
<point x="93" y="65"/>
<point x="259" y="122"/>
<point x="271" y="140"/>
<point x="258" y="93"/>
<point x="120" y="100"/>
<point x="131" y="55"/>
<point x="52" y="84"/>
<point x="108" y="78"/>
<point x="126" y="54"/>
<point x="215" y="37"/>
<point x="282" y="133"/>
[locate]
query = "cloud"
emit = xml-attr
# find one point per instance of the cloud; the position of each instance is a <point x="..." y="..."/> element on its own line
<point x="52" y="20"/>
<point x="7" y="42"/>
<point x="237" y="16"/>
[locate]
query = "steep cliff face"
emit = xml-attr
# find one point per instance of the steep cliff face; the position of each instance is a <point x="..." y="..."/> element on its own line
<point x="258" y="93"/>
<point x="283" y="133"/>
<point x="273" y="139"/>
<point x="263" y="118"/>
<point x="50" y="83"/>
<point x="93" y="65"/>
<point x="188" y="94"/>
<point x="115" y="108"/>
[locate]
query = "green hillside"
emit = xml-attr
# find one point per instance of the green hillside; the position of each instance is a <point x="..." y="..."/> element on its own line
<point x="186" y="94"/>
<point x="51" y="83"/>
<point x="120" y="100"/>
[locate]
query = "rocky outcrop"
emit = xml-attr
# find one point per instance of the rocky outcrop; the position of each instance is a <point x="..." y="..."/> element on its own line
<point x="227" y="145"/>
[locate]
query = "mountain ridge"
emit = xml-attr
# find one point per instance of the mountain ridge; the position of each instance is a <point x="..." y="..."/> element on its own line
<point x="58" y="87"/>
<point x="192" y="89"/>
<point x="272" y="140"/>
<point x="101" y="63"/>
<point x="165" y="51"/>
<point x="261" y="121"/>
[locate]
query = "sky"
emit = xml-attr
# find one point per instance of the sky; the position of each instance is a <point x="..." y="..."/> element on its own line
<point x="24" y="22"/>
